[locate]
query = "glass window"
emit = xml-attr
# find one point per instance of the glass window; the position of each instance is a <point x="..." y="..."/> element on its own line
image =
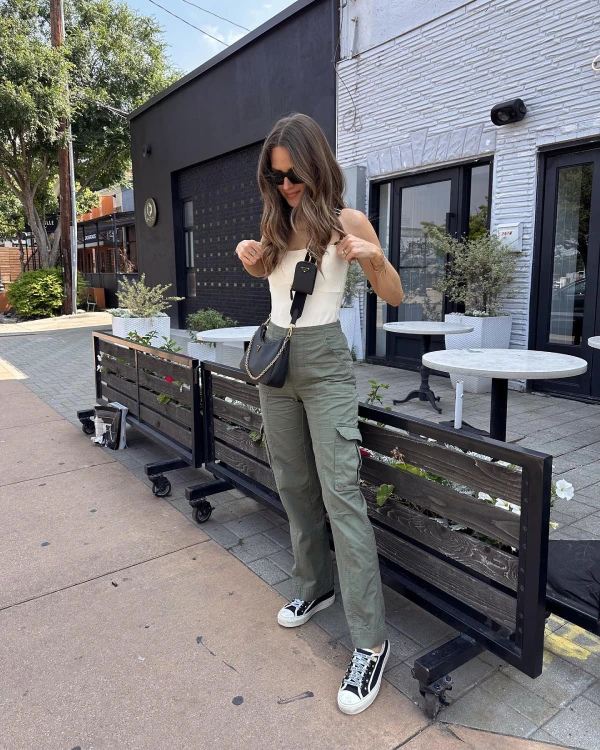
<point x="479" y="201"/>
<point x="385" y="203"/>
<point x="188" y="233"/>
<point x="570" y="253"/>
<point x="424" y="207"/>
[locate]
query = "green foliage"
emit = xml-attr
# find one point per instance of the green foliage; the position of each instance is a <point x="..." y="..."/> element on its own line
<point x="170" y="345"/>
<point x="374" y="394"/>
<point x="207" y="320"/>
<point x="142" y="300"/>
<point x="12" y="218"/>
<point x="143" y="340"/>
<point x="354" y="281"/>
<point x="40" y="294"/>
<point x="479" y="273"/>
<point x="383" y="493"/>
<point x="113" y="57"/>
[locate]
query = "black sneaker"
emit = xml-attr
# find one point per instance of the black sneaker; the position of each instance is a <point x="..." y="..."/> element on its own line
<point x="362" y="680"/>
<point x="298" y="612"/>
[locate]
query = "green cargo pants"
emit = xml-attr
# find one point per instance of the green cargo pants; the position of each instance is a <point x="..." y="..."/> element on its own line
<point x="313" y="444"/>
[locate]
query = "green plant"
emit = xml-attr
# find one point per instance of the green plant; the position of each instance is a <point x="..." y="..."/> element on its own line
<point x="144" y="301"/>
<point x="374" y="394"/>
<point x="169" y="345"/>
<point x="143" y="340"/>
<point x="207" y="320"/>
<point x="383" y="492"/>
<point x="478" y="274"/>
<point x="40" y="294"/>
<point x="354" y="281"/>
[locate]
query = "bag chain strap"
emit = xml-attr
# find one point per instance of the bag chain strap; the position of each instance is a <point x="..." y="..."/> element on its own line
<point x="279" y="353"/>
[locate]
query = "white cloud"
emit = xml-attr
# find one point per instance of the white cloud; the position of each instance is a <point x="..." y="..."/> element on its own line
<point x="229" y="37"/>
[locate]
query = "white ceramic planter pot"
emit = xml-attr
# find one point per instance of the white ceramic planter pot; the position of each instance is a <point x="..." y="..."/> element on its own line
<point x="202" y="352"/>
<point x="142" y="326"/>
<point x="488" y="333"/>
<point x="347" y="321"/>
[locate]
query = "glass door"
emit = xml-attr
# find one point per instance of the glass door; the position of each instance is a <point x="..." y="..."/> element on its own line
<point x="405" y="211"/>
<point x="567" y="312"/>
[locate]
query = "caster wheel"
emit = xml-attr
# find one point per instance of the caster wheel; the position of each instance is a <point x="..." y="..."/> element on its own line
<point x="203" y="512"/>
<point x="161" y="487"/>
<point x="87" y="427"/>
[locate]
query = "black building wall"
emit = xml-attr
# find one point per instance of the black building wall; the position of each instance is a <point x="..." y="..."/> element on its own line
<point x="225" y="109"/>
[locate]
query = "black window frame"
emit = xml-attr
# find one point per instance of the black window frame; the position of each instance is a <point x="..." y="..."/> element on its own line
<point x="458" y="226"/>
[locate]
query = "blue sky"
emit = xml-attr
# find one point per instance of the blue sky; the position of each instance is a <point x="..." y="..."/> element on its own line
<point x="188" y="47"/>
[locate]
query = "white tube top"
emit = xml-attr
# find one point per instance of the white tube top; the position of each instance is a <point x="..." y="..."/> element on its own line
<point x="323" y="305"/>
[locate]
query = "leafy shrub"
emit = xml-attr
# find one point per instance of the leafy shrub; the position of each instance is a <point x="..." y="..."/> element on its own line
<point x="39" y="294"/>
<point x="141" y="300"/>
<point x="479" y="273"/>
<point x="207" y="320"/>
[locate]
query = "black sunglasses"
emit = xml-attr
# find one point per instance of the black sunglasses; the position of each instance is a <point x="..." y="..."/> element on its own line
<point x="277" y="178"/>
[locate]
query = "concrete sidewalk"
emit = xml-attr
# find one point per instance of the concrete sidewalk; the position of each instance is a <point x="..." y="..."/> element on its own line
<point x="58" y="323"/>
<point x="124" y="626"/>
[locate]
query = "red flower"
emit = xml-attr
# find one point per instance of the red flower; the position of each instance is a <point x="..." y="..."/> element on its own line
<point x="169" y="379"/>
<point x="365" y="452"/>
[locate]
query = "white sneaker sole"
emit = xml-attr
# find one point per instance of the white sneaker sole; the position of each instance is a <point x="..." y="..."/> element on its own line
<point x="297" y="621"/>
<point x="356" y="708"/>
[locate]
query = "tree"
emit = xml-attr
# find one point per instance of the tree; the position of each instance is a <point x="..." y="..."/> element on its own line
<point x="12" y="219"/>
<point x="113" y="60"/>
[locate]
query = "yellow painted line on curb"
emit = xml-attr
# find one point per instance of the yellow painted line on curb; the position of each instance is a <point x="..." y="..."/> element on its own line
<point x="10" y="372"/>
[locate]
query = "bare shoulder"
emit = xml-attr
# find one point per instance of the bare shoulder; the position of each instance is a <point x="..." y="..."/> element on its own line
<point x="356" y="223"/>
<point x="352" y="219"/>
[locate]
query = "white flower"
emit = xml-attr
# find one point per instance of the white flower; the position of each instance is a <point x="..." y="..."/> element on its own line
<point x="99" y="368"/>
<point x="502" y="504"/>
<point x="564" y="489"/>
<point x="553" y="525"/>
<point x="486" y="497"/>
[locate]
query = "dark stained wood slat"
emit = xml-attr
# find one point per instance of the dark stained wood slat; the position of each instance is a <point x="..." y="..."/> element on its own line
<point x="237" y="438"/>
<point x="247" y="394"/>
<point x="472" y="512"/>
<point x="237" y="414"/>
<point x="248" y="466"/>
<point x="163" y="367"/>
<point x="112" y="395"/>
<point x="497" y="565"/>
<point x="497" y="605"/>
<point x="175" y="413"/>
<point x="117" y="368"/>
<point x="179" y="434"/>
<point x="160" y="385"/>
<point x="121" y="385"/>
<point x="120" y="352"/>
<point x="481" y="475"/>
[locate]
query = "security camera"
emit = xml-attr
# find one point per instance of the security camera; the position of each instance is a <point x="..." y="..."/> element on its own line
<point x="507" y="112"/>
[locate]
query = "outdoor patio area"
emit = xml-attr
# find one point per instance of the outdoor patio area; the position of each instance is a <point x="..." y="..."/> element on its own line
<point x="561" y="706"/>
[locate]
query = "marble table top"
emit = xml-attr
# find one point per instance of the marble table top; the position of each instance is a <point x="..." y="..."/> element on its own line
<point x="506" y="363"/>
<point x="227" y="335"/>
<point x="426" y="328"/>
<point x="594" y="342"/>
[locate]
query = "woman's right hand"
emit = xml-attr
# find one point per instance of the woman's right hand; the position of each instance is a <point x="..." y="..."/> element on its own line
<point x="249" y="252"/>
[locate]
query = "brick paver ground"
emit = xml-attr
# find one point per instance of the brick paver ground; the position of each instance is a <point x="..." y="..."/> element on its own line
<point x="562" y="706"/>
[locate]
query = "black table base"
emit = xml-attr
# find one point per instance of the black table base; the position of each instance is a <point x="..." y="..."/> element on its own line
<point x="424" y="392"/>
<point x="498" y="413"/>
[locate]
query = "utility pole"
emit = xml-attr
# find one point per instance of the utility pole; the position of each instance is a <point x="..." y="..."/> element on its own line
<point x="57" y="32"/>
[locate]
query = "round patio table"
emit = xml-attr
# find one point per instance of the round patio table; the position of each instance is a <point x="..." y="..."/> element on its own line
<point x="594" y="342"/>
<point x="425" y="329"/>
<point x="222" y="336"/>
<point x="503" y="365"/>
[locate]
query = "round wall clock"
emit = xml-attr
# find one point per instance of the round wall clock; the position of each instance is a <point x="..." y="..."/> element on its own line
<point x="150" y="213"/>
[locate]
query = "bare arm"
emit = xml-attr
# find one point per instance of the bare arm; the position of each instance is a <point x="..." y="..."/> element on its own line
<point x="361" y="244"/>
<point x="250" y="253"/>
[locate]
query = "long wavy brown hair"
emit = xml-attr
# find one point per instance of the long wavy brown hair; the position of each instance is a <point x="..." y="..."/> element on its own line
<point x="316" y="166"/>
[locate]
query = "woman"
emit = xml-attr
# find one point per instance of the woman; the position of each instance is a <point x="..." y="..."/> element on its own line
<point x="311" y="423"/>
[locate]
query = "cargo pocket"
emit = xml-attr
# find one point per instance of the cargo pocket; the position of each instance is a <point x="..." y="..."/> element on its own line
<point x="347" y="459"/>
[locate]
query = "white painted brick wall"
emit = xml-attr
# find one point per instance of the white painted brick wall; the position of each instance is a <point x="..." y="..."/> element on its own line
<point x="423" y="99"/>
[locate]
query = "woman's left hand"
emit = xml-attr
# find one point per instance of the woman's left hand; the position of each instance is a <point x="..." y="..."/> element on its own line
<point x="354" y="248"/>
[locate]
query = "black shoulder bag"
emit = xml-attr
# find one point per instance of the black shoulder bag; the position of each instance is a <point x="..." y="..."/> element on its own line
<point x="264" y="361"/>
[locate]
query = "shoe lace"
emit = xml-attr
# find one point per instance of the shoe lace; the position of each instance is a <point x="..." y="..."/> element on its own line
<point x="356" y="671"/>
<point x="297" y="602"/>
